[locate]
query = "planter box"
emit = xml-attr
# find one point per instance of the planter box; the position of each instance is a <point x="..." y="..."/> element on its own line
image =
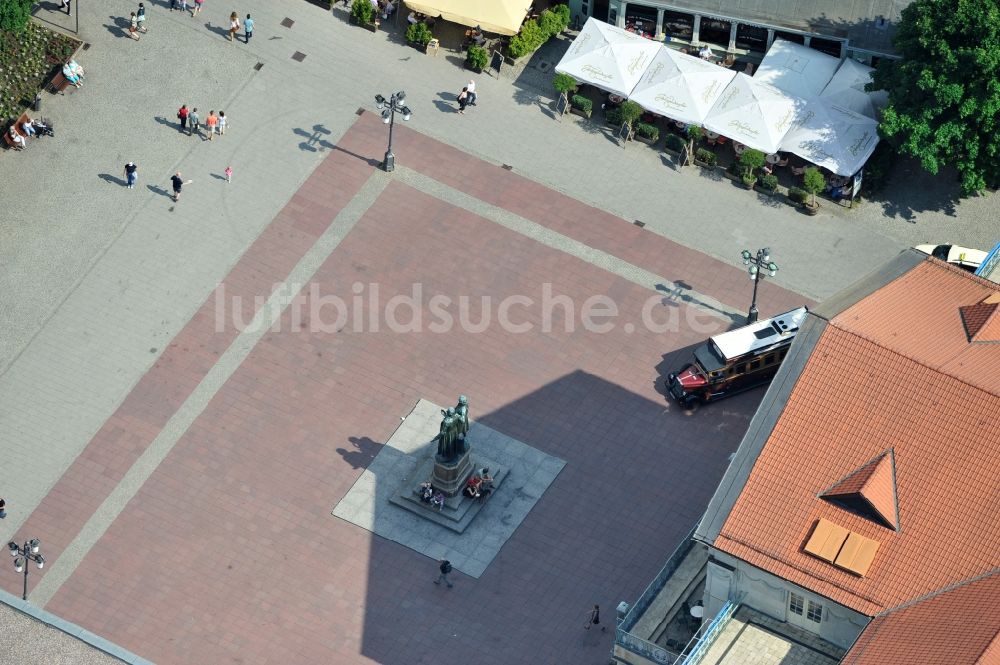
<point x="704" y="165"/>
<point x="420" y="47"/>
<point x="768" y="192"/>
<point x="643" y="139"/>
<point x="580" y="112"/>
<point x="675" y="153"/>
<point x="478" y="70"/>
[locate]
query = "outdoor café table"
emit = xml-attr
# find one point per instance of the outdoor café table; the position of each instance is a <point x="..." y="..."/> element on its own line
<point x="711" y="136"/>
<point x="680" y="125"/>
<point x="738" y="148"/>
<point x="773" y="158"/>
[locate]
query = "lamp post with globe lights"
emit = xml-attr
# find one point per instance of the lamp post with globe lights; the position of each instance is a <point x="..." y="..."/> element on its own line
<point x="22" y="555"/>
<point x="756" y="266"/>
<point x="389" y="108"/>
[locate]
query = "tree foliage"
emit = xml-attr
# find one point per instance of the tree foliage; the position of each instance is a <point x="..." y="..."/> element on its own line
<point x="15" y="14"/>
<point x="564" y="83"/>
<point x="944" y="94"/>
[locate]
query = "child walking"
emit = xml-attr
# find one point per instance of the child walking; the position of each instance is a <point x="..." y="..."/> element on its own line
<point x="229" y="173"/>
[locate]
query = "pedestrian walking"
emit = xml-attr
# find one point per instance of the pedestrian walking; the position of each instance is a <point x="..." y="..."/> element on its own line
<point x="184" y="5"/>
<point x="64" y="4"/>
<point x="211" y="122"/>
<point x="234" y="26"/>
<point x="594" y="618"/>
<point x="178" y="183"/>
<point x="140" y="17"/>
<point x="197" y="7"/>
<point x="248" y="29"/>
<point x="133" y="28"/>
<point x="173" y="5"/>
<point x="445" y="567"/>
<point x="3" y="509"/>
<point x="463" y="100"/>
<point x="131" y="173"/>
<point x="182" y="115"/>
<point x="471" y="87"/>
<point x="222" y="123"/>
<point x="195" y="123"/>
<point x="229" y="173"/>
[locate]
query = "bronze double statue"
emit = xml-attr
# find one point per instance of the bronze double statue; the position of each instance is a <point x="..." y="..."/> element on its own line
<point x="454" y="427"/>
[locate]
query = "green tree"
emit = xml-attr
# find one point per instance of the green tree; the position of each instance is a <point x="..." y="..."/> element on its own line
<point x="564" y="83"/>
<point x="944" y="94"/>
<point x="15" y="14"/>
<point x="813" y="182"/>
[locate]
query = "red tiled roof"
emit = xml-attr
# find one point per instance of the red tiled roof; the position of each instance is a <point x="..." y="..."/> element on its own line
<point x="957" y="626"/>
<point x="982" y="321"/>
<point x="891" y="371"/>
<point x="874" y="486"/>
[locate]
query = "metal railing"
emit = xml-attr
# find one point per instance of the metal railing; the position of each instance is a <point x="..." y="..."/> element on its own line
<point x="698" y="646"/>
<point x="653" y="589"/>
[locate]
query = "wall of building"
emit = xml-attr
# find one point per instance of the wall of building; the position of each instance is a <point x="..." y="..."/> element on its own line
<point x="729" y="577"/>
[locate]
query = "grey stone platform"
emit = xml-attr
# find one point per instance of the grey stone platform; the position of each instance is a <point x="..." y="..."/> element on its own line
<point x="459" y="510"/>
<point x="368" y="503"/>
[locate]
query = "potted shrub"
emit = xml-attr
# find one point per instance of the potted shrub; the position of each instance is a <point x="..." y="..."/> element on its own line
<point x="647" y="133"/>
<point x="526" y="41"/>
<point x="613" y="116"/>
<point x="476" y="58"/>
<point x="564" y="83"/>
<point x="769" y="184"/>
<point x="814" y="183"/>
<point x="418" y="35"/>
<point x="750" y="161"/>
<point x="630" y="112"/>
<point x="363" y="13"/>
<point x="674" y="144"/>
<point x="581" y="105"/>
<point x="694" y="134"/>
<point x="798" y="196"/>
<point x="705" y="157"/>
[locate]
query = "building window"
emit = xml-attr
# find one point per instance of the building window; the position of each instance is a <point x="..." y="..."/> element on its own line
<point x="796" y="603"/>
<point x="715" y="31"/>
<point x="640" y="19"/>
<point x="828" y="46"/>
<point x="790" y="36"/>
<point x="814" y="612"/>
<point x="751" y="38"/>
<point x="678" y="25"/>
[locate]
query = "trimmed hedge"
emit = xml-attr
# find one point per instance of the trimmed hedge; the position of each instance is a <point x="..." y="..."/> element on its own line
<point x="769" y="182"/>
<point x="705" y="155"/>
<point x="582" y="103"/>
<point x="534" y="33"/>
<point x="647" y="131"/>
<point x="476" y="58"/>
<point x="675" y="143"/>
<point x="362" y="12"/>
<point x="417" y="33"/>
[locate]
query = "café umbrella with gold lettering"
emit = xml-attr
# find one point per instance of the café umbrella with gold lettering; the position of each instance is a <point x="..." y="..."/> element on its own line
<point x="681" y="87"/>
<point x="833" y="136"/>
<point x="756" y="114"/>
<point x="608" y="57"/>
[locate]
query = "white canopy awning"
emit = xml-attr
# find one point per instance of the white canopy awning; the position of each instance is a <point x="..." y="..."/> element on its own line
<point x="796" y="69"/>
<point x="680" y="86"/>
<point x="754" y="113"/>
<point x="608" y="57"/>
<point x="833" y="137"/>
<point x="847" y="89"/>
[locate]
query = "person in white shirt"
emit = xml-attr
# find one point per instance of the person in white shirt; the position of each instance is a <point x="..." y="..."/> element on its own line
<point x="412" y="18"/>
<point x="471" y="88"/>
<point x="705" y="53"/>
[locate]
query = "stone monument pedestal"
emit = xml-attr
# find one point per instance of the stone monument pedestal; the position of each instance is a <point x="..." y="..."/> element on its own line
<point x="449" y="477"/>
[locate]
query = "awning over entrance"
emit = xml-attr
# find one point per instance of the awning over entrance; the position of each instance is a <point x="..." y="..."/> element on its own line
<point x="502" y="17"/>
<point x="608" y="57"/>
<point x="680" y="86"/>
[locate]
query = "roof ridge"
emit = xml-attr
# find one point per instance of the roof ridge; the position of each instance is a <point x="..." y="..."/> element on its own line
<point x="936" y="370"/>
<point x="937" y="592"/>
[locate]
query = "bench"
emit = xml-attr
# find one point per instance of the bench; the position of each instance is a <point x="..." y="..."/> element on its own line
<point x="58" y="83"/>
<point x="17" y="128"/>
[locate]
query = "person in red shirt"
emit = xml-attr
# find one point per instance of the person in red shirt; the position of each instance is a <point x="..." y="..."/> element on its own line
<point x="182" y="115"/>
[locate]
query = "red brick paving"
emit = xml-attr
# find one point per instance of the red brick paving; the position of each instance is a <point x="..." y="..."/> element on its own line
<point x="229" y="553"/>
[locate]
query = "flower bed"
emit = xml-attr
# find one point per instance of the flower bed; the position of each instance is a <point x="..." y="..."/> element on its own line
<point x="27" y="61"/>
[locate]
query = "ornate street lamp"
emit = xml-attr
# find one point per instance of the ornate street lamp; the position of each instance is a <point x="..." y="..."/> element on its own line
<point x="28" y="552"/>
<point x="756" y="267"/>
<point x="389" y="108"/>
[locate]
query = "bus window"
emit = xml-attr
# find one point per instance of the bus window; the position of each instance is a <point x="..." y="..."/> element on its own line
<point x="781" y="356"/>
<point x="755" y="365"/>
<point x="769" y="359"/>
<point x="741" y="368"/>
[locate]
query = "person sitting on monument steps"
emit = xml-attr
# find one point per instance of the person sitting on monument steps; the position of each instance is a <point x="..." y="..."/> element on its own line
<point x="426" y="492"/>
<point x="437" y="501"/>
<point x="486" y="486"/>
<point x="472" y="486"/>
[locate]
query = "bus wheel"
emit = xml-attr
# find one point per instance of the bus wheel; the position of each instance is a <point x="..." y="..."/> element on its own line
<point x="690" y="401"/>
